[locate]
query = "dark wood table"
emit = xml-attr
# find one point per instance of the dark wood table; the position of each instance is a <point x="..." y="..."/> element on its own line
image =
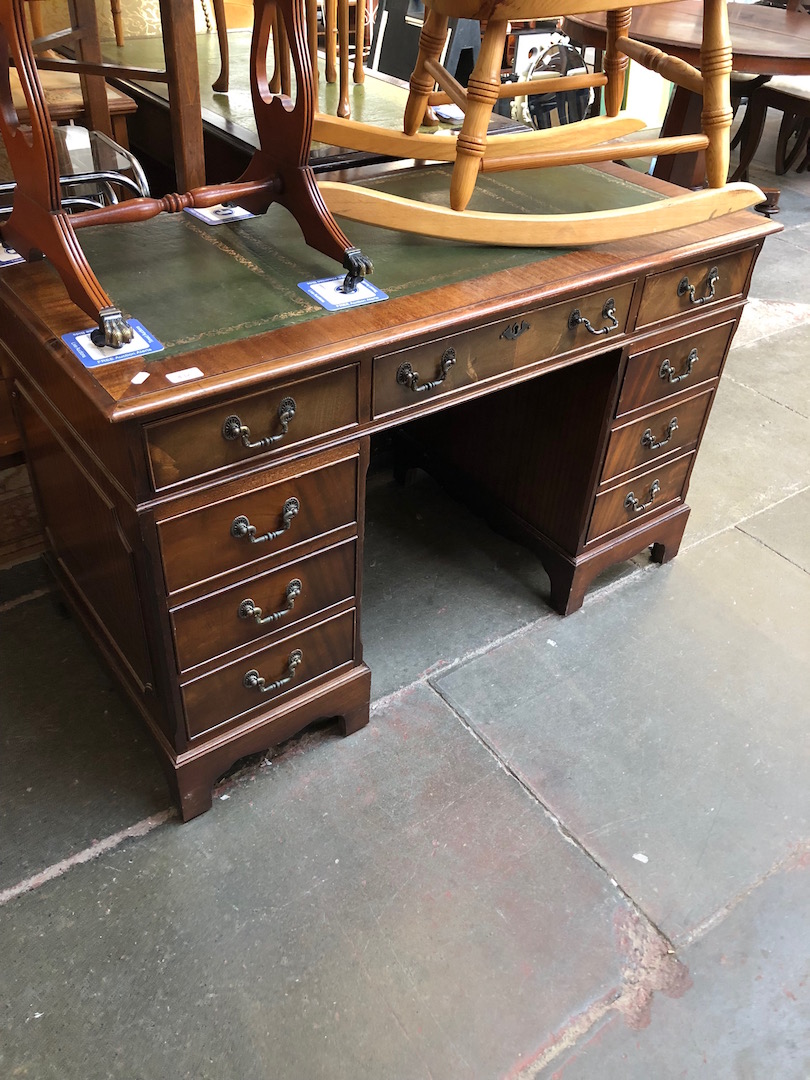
<point x="765" y="41"/>
<point x="204" y="507"/>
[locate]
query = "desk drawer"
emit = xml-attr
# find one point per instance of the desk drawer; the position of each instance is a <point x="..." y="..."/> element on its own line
<point x="216" y="538"/>
<point x="662" y="432"/>
<point x="640" y="497"/>
<point x="270" y="604"/>
<point x="247" y="427"/>
<point x="287" y="666"/>
<point x="694" y="288"/>
<point x="669" y="369"/>
<point x="411" y="376"/>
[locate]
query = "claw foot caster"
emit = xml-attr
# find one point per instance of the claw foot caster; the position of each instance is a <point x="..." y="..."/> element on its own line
<point x="113" y="329"/>
<point x="358" y="265"/>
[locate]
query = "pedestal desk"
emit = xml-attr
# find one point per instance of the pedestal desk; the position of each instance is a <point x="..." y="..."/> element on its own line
<point x="203" y="509"/>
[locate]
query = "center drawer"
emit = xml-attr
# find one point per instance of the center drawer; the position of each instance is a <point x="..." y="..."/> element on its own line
<point x="414" y="376"/>
<point x="282" y="515"/>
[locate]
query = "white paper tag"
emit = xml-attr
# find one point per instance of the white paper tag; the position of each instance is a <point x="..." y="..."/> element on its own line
<point x="328" y="292"/>
<point x="185" y="375"/>
<point x="219" y="214"/>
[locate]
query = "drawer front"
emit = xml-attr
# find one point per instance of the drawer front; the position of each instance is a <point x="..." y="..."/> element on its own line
<point x="267" y="677"/>
<point x="669" y="369"/>
<point x="641" y="497"/>
<point x="413" y="376"/>
<point x="248" y="427"/>
<point x="672" y="428"/>
<point x="269" y="604"/>
<point x="694" y="288"/>
<point x="216" y="538"/>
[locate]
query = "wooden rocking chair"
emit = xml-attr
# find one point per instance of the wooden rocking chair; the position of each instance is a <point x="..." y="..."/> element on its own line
<point x="585" y="142"/>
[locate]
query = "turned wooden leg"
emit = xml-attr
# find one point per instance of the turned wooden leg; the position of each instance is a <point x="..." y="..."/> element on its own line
<point x="330" y="39"/>
<point x="482" y="93"/>
<point x="715" y="66"/>
<point x="311" y="9"/>
<point x="431" y="43"/>
<point x="343" y="57"/>
<point x="618" y="26"/>
<point x="359" y="40"/>
<point x="220" y="86"/>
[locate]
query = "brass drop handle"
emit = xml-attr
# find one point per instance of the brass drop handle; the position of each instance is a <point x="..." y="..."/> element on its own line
<point x="684" y="288"/>
<point x="249" y="610"/>
<point x="233" y="428"/>
<point x="241" y="527"/>
<point x="254" y="681"/>
<point x="576" y="318"/>
<point x="649" y="442"/>
<point x="667" y="371"/>
<point x="632" y="503"/>
<point x="406" y="376"/>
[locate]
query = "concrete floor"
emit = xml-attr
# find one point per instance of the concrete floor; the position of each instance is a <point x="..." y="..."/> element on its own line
<point x="570" y="848"/>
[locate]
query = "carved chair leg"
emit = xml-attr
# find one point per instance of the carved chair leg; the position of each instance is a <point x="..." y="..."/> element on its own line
<point x="482" y="93"/>
<point x="37" y="223"/>
<point x="431" y="43"/>
<point x="285" y="136"/>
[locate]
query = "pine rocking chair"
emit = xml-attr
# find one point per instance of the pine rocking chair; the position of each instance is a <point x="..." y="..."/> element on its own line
<point x="585" y="142"/>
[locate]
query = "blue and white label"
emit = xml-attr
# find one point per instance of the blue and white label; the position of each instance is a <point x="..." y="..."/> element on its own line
<point x="219" y="214"/>
<point x="8" y="256"/>
<point x="328" y="292"/>
<point x="80" y="343"/>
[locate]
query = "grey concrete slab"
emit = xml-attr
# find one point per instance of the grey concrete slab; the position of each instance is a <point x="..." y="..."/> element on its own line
<point x="77" y="763"/>
<point x="387" y="906"/>
<point x="437" y="582"/>
<point x="666" y="729"/>
<point x="777" y="368"/>
<point x="747" y="1015"/>
<point x="780" y="270"/>
<point x="753" y="455"/>
<point x="785" y="528"/>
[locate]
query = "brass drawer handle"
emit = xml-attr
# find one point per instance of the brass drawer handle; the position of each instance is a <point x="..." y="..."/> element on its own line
<point x="233" y="428"/>
<point x="514" y="330"/>
<point x="632" y="503"/>
<point x="254" y="681"/>
<point x="576" y="318"/>
<point x="241" y="527"/>
<point x="406" y="376"/>
<point x="685" y="288"/>
<point x="648" y="441"/>
<point x="248" y="610"/>
<point x="667" y="371"/>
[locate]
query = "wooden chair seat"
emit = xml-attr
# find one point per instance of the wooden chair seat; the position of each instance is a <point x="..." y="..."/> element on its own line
<point x="65" y="101"/>
<point x="589" y="141"/>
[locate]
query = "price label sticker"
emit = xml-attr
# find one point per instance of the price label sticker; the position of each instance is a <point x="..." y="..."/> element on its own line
<point x="219" y="214"/>
<point x="328" y="292"/>
<point x="81" y="345"/>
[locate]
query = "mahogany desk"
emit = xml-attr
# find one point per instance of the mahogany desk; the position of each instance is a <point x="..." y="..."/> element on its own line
<point x="209" y="531"/>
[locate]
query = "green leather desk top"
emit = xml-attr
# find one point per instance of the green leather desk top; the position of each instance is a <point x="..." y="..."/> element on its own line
<point x="194" y="285"/>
